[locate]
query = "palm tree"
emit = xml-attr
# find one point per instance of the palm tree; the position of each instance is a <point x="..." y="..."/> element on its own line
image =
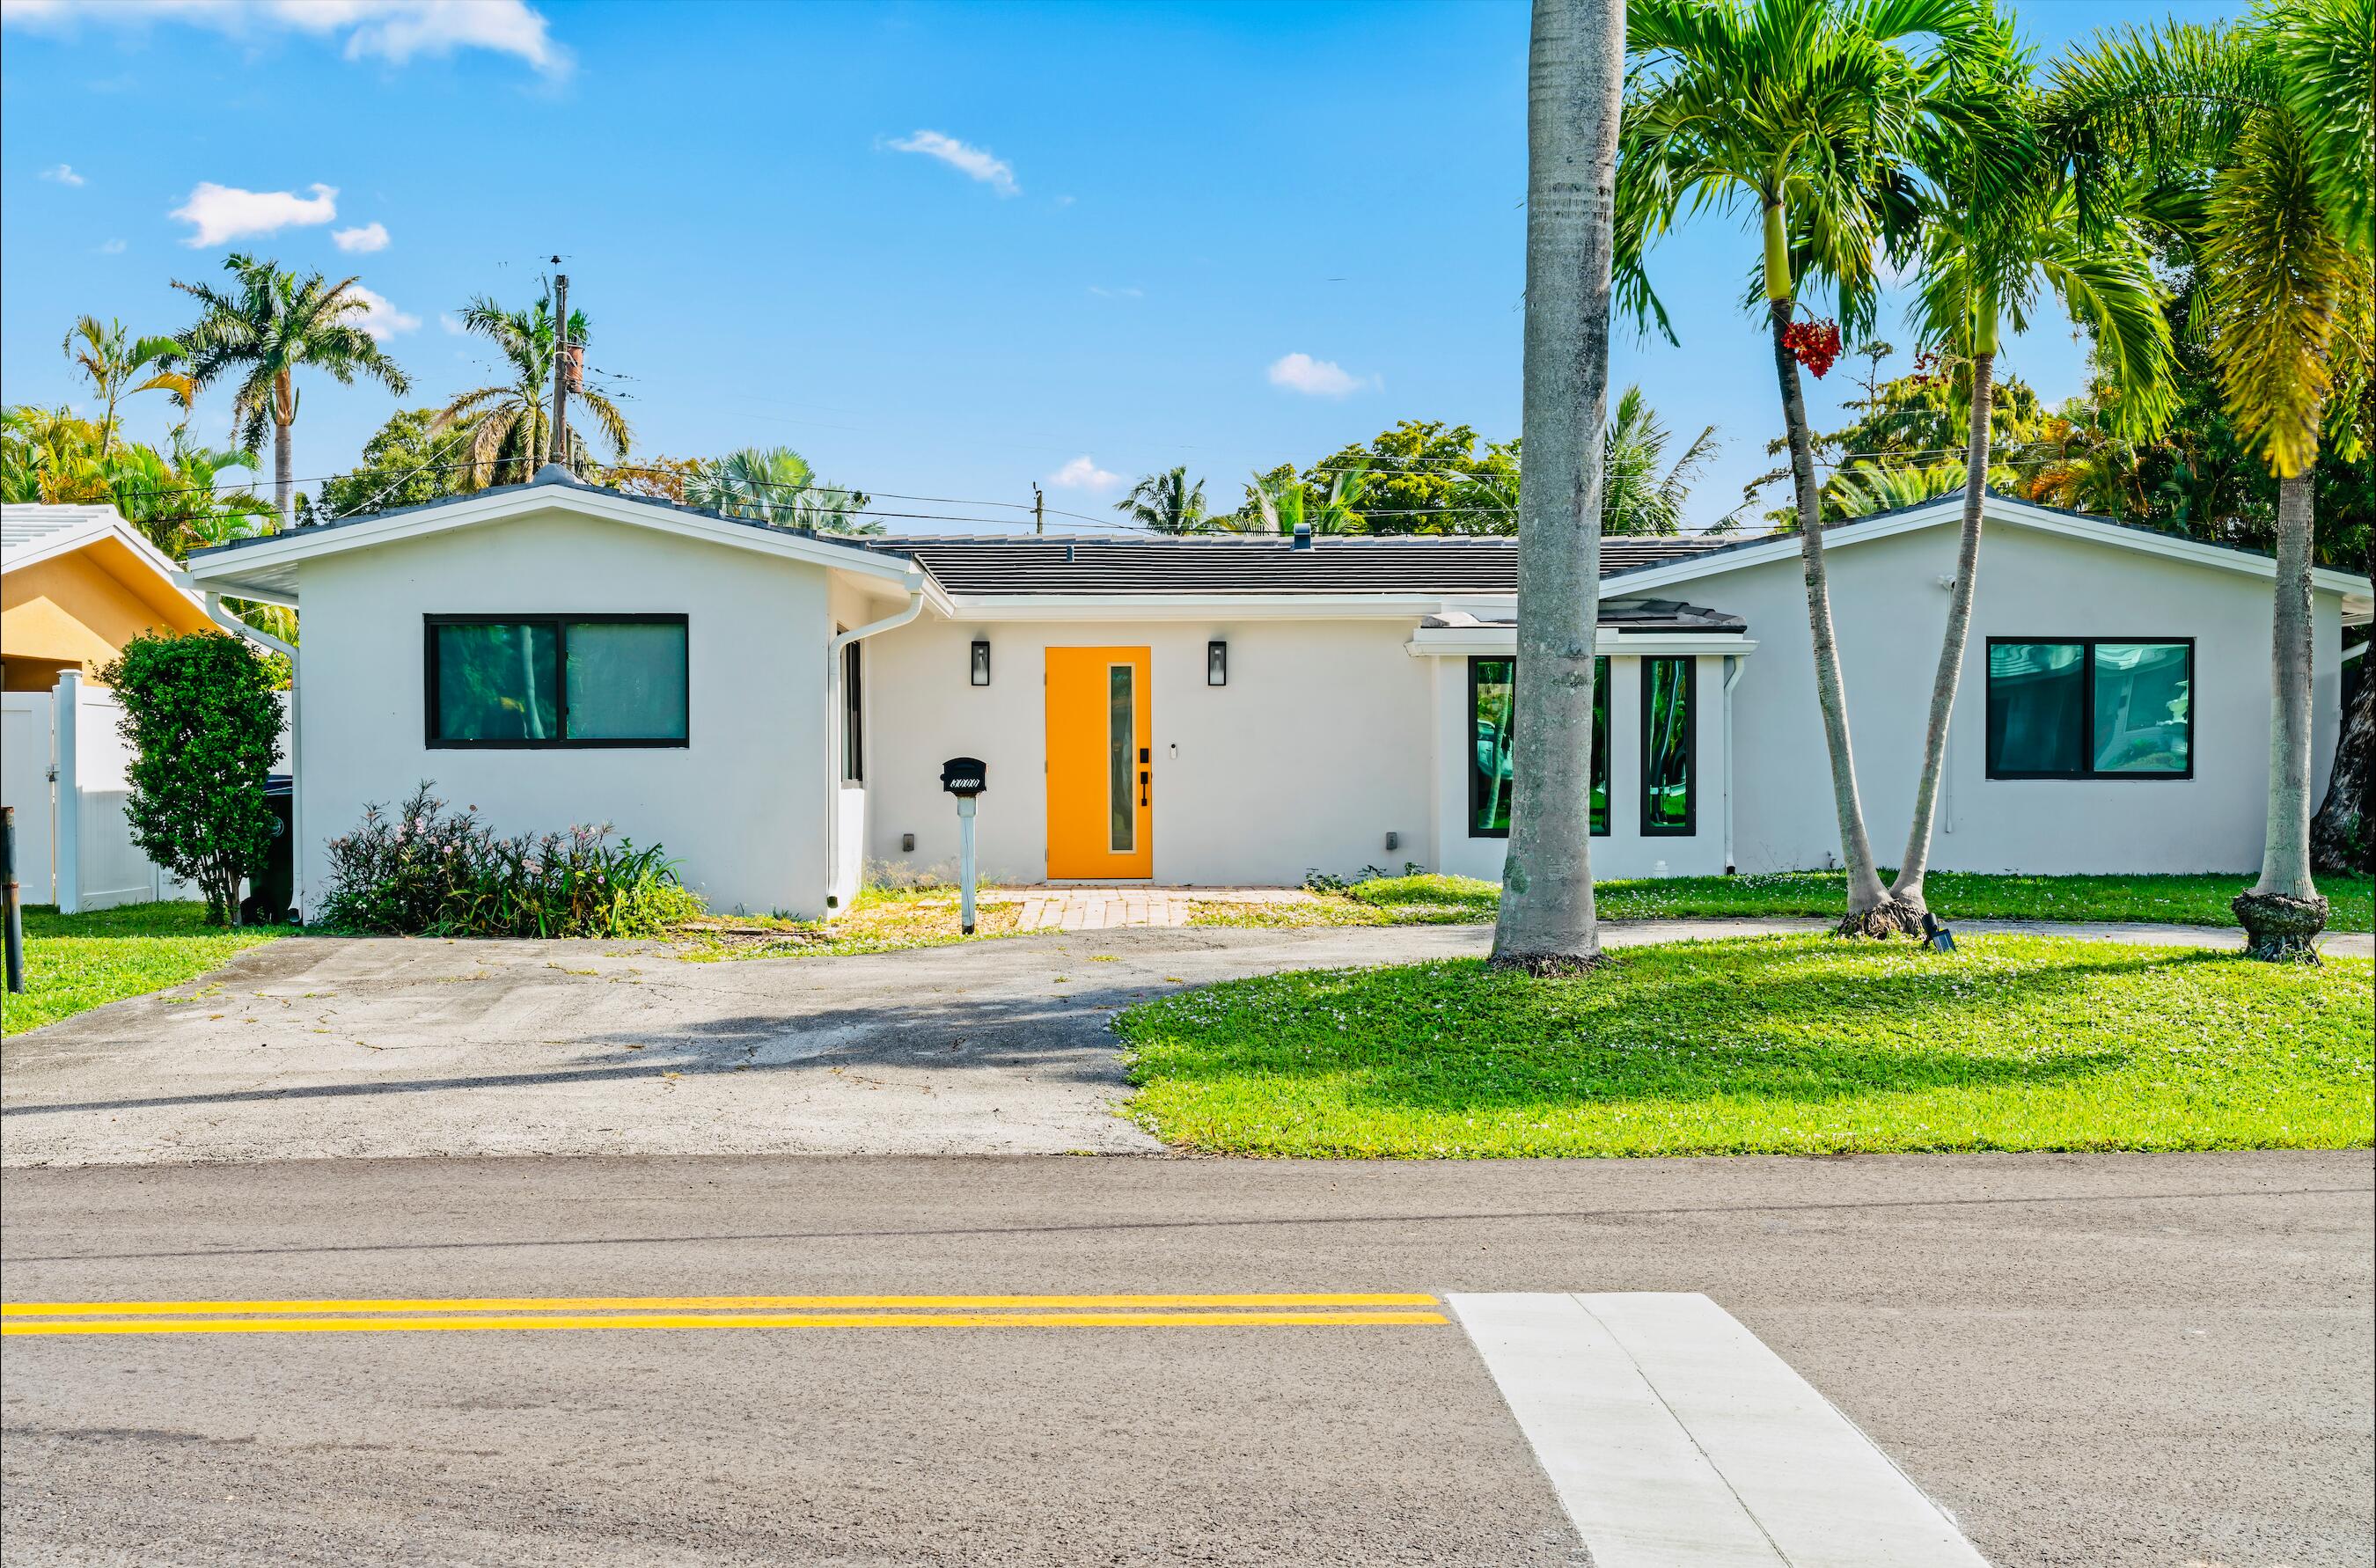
<point x="1640" y="492"/>
<point x="511" y="423"/>
<point x="1802" y="113"/>
<point x="1575" y="87"/>
<point x="1166" y="502"/>
<point x="777" y="486"/>
<point x="2279" y="114"/>
<point x="1989" y="242"/>
<point x="1284" y="503"/>
<point x="110" y="359"/>
<point x="267" y="327"/>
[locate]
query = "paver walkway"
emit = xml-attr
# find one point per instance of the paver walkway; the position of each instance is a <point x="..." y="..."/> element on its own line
<point x="1113" y="909"/>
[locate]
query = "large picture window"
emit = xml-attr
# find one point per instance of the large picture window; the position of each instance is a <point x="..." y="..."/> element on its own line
<point x="2091" y="709"/>
<point x="1492" y="684"/>
<point x="515" y="681"/>
<point x="1668" y="763"/>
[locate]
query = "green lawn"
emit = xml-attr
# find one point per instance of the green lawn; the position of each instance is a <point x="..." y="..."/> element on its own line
<point x="76" y="962"/>
<point x="1769" y="1045"/>
<point x="2200" y="900"/>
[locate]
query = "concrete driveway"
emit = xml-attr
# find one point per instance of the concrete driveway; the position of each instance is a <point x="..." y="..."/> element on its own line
<point x="314" y="1047"/>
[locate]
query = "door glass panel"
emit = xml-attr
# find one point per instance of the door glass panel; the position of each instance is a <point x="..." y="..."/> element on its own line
<point x="1122" y="738"/>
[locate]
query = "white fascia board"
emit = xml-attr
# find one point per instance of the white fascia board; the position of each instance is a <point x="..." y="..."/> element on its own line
<point x="1454" y="642"/>
<point x="991" y="607"/>
<point x="103" y="523"/>
<point x="2097" y="531"/>
<point x="300" y="544"/>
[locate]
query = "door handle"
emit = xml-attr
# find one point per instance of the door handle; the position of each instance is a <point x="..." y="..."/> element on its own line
<point x="1142" y="786"/>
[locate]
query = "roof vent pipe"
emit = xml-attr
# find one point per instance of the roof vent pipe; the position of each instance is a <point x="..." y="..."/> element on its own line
<point x="1068" y="555"/>
<point x="1302" y="537"/>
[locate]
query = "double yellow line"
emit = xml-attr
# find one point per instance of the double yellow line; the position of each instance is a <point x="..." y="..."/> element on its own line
<point x="449" y="1314"/>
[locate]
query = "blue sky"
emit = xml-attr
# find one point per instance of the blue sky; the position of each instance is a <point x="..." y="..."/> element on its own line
<point x="941" y="250"/>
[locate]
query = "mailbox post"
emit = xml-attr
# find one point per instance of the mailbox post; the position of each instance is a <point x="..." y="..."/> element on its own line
<point x="965" y="777"/>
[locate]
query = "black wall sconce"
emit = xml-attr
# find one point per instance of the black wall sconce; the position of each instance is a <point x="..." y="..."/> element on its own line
<point x="980" y="661"/>
<point x="1216" y="663"/>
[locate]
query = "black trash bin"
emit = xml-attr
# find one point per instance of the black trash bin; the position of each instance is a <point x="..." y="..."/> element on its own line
<point x="272" y="887"/>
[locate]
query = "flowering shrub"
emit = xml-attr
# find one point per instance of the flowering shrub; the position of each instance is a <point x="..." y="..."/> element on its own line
<point x="426" y="870"/>
<point x="1814" y="344"/>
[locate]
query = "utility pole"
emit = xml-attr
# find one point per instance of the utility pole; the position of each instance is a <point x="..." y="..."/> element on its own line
<point x="559" y="367"/>
<point x="1038" y="509"/>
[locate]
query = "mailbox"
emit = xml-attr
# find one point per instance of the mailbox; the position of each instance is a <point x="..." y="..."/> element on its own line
<point x="963" y="776"/>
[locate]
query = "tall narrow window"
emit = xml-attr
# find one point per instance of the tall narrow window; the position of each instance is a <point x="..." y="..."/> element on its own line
<point x="2090" y="709"/>
<point x="1667" y="761"/>
<point x="1492" y="685"/>
<point x="528" y="680"/>
<point x="853" y="734"/>
<point x="1122" y="742"/>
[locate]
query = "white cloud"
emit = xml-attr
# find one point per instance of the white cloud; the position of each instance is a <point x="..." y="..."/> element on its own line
<point x="378" y="318"/>
<point x="225" y="212"/>
<point x="1316" y="378"/>
<point x="62" y="173"/>
<point x="1083" y="474"/>
<point x="370" y="237"/>
<point x="393" y="30"/>
<point x="974" y="162"/>
<point x="111" y="248"/>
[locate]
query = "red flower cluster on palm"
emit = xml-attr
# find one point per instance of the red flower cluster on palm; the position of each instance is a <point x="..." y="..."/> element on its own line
<point x="1814" y="344"/>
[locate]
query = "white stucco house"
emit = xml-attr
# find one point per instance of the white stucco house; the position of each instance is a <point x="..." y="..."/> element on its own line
<point x="774" y="707"/>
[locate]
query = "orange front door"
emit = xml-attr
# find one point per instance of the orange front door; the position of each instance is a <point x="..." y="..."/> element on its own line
<point x="1101" y="766"/>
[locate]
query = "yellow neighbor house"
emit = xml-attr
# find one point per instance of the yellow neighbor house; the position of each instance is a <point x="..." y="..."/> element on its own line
<point x="76" y="583"/>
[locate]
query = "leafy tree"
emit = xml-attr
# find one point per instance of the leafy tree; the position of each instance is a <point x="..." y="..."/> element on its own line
<point x="267" y="327"/>
<point x="777" y="486"/>
<point x="1166" y="502"/>
<point x="659" y="479"/>
<point x="1421" y="479"/>
<point x="202" y="722"/>
<point x="411" y="459"/>
<point x="1576" y="77"/>
<point x="2281" y="116"/>
<point x="109" y="361"/>
<point x="511" y="422"/>
<point x="178" y="500"/>
<point x="1805" y="115"/>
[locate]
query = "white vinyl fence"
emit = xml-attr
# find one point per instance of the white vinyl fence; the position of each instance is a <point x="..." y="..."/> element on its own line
<point x="63" y="766"/>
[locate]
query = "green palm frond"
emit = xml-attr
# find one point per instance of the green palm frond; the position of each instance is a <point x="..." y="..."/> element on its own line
<point x="2324" y="57"/>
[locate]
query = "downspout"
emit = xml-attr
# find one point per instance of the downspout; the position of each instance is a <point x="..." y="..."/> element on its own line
<point x="239" y="628"/>
<point x="832" y="760"/>
<point x="1734" y="667"/>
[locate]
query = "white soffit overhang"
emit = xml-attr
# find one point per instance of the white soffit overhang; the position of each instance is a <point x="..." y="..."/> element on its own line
<point x="1457" y="642"/>
<point x="267" y="571"/>
<point x="2357" y="600"/>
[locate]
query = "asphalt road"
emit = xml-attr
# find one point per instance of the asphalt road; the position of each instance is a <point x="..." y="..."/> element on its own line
<point x="2161" y="1360"/>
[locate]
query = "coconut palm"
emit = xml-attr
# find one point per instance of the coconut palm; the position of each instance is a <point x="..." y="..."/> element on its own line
<point x="109" y="358"/>
<point x="1166" y="502"/>
<point x="510" y="424"/>
<point x="777" y="486"/>
<point x="1989" y="244"/>
<point x="1575" y="86"/>
<point x="1640" y="492"/>
<point x="270" y="325"/>
<point x="1283" y="502"/>
<point x="1802" y="115"/>
<point x="2279" y="113"/>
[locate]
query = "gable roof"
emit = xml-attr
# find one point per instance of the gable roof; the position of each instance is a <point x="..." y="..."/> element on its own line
<point x="1734" y="554"/>
<point x="31" y="534"/>
<point x="1126" y="565"/>
<point x="265" y="567"/>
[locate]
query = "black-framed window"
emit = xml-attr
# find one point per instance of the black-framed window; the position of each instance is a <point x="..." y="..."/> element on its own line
<point x="1669" y="765"/>
<point x="1492" y="685"/>
<point x="2091" y="708"/>
<point x="534" y="681"/>
<point x="853" y="734"/>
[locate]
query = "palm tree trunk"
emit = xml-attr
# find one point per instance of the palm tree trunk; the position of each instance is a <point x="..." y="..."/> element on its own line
<point x="1575" y="73"/>
<point x="1913" y="866"/>
<point x="2284" y="913"/>
<point x="284" y="472"/>
<point x="2341" y="837"/>
<point x="1869" y="911"/>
